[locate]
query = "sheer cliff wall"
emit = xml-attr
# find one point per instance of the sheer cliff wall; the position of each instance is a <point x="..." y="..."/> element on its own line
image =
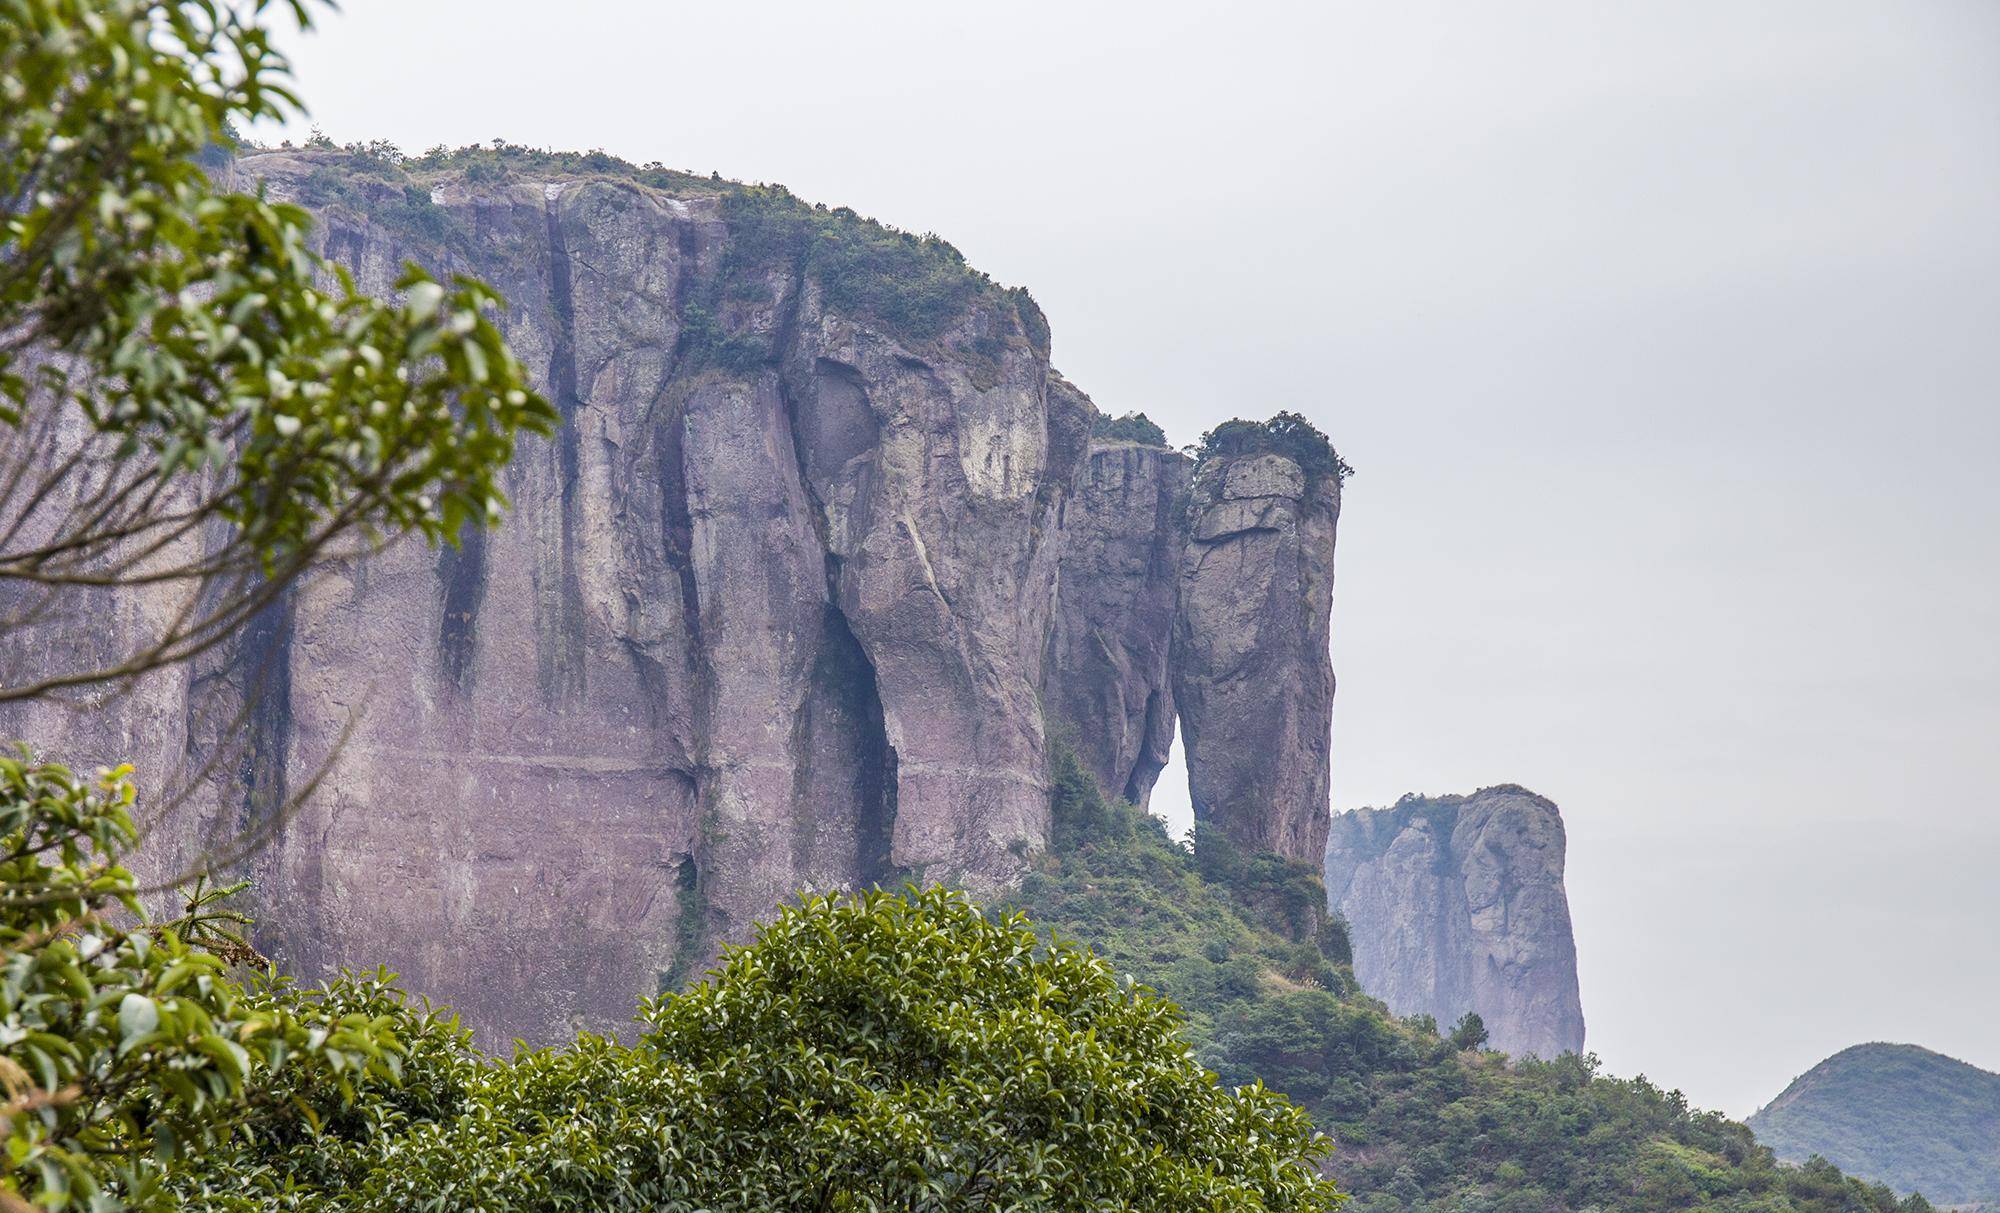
<point x="1456" y="904"/>
<point x="795" y="599"/>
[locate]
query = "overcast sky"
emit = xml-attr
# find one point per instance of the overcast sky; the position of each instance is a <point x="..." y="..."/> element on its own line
<point x="1665" y="338"/>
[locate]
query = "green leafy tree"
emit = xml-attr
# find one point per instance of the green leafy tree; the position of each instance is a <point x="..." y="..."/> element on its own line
<point x="1286" y="433"/>
<point x="190" y="399"/>
<point x="874" y="1052"/>
<point x="127" y="1046"/>
<point x="1469" y="1032"/>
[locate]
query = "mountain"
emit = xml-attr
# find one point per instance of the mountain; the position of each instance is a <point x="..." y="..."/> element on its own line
<point x="1456" y="904"/>
<point x="830" y="578"/>
<point x="1907" y="1117"/>
<point x="822" y="554"/>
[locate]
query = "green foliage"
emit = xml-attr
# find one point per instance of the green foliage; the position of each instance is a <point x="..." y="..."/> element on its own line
<point x="1288" y="434"/>
<point x="196" y="314"/>
<point x="917" y="286"/>
<point x="501" y="161"/>
<point x="1112" y="878"/>
<point x="1424" y="1123"/>
<point x="126" y="1048"/>
<point x="1469" y="1032"/>
<point x="1132" y="427"/>
<point x="878" y="1052"/>
<point x="213" y="355"/>
<point x="1906" y="1116"/>
<point x="914" y="286"/>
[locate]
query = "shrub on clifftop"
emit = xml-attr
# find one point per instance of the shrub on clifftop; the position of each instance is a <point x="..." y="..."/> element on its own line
<point x="1288" y="434"/>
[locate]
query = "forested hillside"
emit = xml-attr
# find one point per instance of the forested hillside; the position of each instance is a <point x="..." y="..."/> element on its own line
<point x="1426" y="1121"/>
<point x="1908" y="1117"/>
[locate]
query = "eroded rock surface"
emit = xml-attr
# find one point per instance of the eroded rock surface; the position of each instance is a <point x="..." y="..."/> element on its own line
<point x="1456" y="904"/>
<point x="791" y="601"/>
<point x="1124" y="531"/>
<point x="1252" y="676"/>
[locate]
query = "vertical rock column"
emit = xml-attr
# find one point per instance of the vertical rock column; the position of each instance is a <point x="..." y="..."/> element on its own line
<point x="1253" y="680"/>
<point x="1456" y="904"/>
<point x="1124" y="529"/>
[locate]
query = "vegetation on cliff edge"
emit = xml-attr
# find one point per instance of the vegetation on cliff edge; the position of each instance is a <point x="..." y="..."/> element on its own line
<point x="1130" y="427"/>
<point x="1286" y="433"/>
<point x="916" y="286"/>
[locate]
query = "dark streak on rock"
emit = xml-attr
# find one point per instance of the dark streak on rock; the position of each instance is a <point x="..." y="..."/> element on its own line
<point x="462" y="571"/>
<point x="561" y="655"/>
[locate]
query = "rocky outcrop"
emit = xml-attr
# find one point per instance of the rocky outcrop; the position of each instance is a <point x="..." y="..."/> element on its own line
<point x="819" y="555"/>
<point x="1456" y="904"/>
<point x="1252" y="675"/>
<point x="1124" y="530"/>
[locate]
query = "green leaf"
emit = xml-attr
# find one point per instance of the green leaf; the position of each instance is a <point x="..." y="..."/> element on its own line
<point x="138" y="1016"/>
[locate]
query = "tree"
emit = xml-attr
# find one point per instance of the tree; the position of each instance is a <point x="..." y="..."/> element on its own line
<point x="124" y="1045"/>
<point x="195" y="408"/>
<point x="1286" y="433"/>
<point x="1131" y="427"/>
<point x="192" y="403"/>
<point x="879" y="1051"/>
<point x="1469" y="1032"/>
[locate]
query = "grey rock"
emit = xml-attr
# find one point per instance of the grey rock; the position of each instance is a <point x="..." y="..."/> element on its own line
<point x="798" y="617"/>
<point x="1456" y="904"/>
<point x="1123" y="532"/>
<point x="1253" y="679"/>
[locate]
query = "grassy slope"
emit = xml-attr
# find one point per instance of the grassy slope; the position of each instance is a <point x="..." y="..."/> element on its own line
<point x="1906" y="1116"/>
<point x="1424" y="1127"/>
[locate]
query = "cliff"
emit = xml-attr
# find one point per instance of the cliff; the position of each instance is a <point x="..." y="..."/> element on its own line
<point x="1456" y="904"/>
<point x="1896" y="1114"/>
<point x="1252" y="672"/>
<point x="1124" y="531"/>
<point x="821" y="554"/>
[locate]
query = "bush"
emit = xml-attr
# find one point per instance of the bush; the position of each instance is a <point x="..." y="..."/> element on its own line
<point x="1288" y="434"/>
<point x="1132" y="427"/>
<point x="130" y="1050"/>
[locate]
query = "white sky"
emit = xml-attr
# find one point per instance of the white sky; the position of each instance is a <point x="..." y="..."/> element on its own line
<point x="1666" y="338"/>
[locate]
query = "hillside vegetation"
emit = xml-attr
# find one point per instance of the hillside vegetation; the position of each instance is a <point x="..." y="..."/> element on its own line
<point x="1426" y="1122"/>
<point x="1901" y="1115"/>
<point x="916" y="286"/>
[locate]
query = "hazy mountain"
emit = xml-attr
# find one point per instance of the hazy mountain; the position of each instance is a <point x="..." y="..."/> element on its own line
<point x="1916" y="1120"/>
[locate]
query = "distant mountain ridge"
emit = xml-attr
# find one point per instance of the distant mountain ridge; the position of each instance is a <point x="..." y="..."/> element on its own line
<point x="1897" y="1114"/>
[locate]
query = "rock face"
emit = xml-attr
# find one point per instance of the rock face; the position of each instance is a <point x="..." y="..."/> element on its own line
<point x="821" y="552"/>
<point x="1124" y="530"/>
<point x="1456" y="904"/>
<point x="1252" y="675"/>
